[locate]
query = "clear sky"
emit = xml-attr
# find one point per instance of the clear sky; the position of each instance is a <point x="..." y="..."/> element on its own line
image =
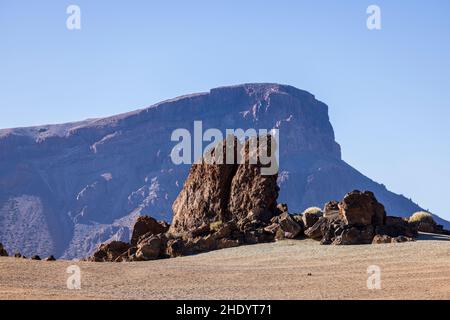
<point x="388" y="90"/>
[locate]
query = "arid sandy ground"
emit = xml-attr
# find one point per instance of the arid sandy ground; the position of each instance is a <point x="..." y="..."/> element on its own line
<point x="416" y="270"/>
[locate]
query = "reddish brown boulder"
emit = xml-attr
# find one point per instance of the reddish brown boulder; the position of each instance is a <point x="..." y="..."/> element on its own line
<point x="250" y="189"/>
<point x="175" y="248"/>
<point x="227" y="243"/>
<point x="150" y="248"/>
<point x="3" y="252"/>
<point x="361" y="220"/>
<point x="319" y="229"/>
<point x="215" y="191"/>
<point x="288" y="226"/>
<point x="378" y="239"/>
<point x="205" y="194"/>
<point x="355" y="235"/>
<point x="310" y="216"/>
<point x="361" y="208"/>
<point x="148" y="226"/>
<point x="109" y="252"/>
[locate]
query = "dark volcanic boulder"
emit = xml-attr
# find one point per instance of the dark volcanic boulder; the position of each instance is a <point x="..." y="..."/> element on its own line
<point x="361" y="220"/>
<point x="319" y="229"/>
<point x="35" y="257"/>
<point x="147" y="225"/>
<point x="3" y="252"/>
<point x="216" y="191"/>
<point x="50" y="258"/>
<point x="310" y="216"/>
<point x="109" y="252"/>
<point x="175" y="248"/>
<point x="331" y="209"/>
<point x="205" y="195"/>
<point x="355" y="235"/>
<point x="397" y="226"/>
<point x="378" y="239"/>
<point x="288" y="227"/>
<point x="361" y="208"/>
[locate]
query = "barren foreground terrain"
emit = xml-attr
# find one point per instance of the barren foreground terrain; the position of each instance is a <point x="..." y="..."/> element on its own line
<point x="300" y="269"/>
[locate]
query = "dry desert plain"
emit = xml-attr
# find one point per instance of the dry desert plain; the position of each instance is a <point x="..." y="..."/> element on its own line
<point x="290" y="269"/>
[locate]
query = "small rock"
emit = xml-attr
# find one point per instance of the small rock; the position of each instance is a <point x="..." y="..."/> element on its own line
<point x="331" y="209"/>
<point x="3" y="252"/>
<point x="35" y="257"/>
<point x="109" y="252"/>
<point x="175" y="248"/>
<point x="50" y="258"/>
<point x="355" y="235"/>
<point x="310" y="216"/>
<point x="378" y="239"/>
<point x="291" y="228"/>
<point x="400" y="239"/>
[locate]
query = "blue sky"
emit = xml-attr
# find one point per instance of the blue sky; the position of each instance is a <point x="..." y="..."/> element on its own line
<point x="388" y="90"/>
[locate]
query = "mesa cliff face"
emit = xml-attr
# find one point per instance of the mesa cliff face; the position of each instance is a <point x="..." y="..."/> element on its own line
<point x="66" y="188"/>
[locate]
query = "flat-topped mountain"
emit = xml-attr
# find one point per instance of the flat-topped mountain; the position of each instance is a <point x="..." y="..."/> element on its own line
<point x="66" y="188"/>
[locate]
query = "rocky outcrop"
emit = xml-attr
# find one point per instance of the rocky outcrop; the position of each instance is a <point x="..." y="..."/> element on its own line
<point x="205" y="194"/>
<point x="361" y="220"/>
<point x="252" y="191"/>
<point x="221" y="205"/>
<point x="110" y="251"/>
<point x="358" y="219"/>
<point x="226" y="191"/>
<point x="64" y="189"/>
<point x="150" y="248"/>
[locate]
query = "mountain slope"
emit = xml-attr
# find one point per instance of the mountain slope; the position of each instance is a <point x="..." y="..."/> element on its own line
<point x="66" y="188"/>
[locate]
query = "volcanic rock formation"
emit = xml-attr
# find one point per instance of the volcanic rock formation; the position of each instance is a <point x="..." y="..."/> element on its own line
<point x="64" y="189"/>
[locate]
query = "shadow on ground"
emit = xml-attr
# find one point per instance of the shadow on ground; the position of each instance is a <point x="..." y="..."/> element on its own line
<point x="432" y="236"/>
